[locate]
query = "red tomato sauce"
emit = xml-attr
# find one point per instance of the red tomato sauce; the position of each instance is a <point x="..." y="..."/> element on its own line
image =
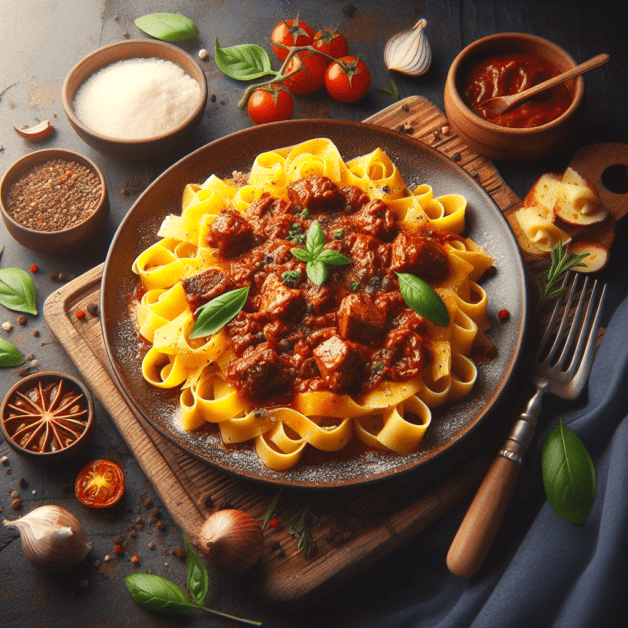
<point x="510" y="74"/>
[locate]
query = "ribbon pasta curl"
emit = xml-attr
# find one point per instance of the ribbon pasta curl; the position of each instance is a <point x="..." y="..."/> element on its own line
<point x="395" y="415"/>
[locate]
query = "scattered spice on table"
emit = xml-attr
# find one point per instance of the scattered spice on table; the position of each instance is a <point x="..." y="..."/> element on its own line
<point x="53" y="196"/>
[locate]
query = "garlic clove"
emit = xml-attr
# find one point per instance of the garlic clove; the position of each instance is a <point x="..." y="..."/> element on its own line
<point x="52" y="538"/>
<point x="409" y="51"/>
<point x="36" y="132"/>
<point x="232" y="540"/>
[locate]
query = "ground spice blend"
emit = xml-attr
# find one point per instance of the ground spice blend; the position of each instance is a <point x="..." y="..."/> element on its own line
<point x="54" y="196"/>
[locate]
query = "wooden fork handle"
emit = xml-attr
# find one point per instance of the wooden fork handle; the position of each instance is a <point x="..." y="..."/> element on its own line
<point x="479" y="526"/>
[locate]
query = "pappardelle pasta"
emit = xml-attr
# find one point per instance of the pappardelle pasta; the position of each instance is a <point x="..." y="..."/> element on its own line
<point x="310" y="363"/>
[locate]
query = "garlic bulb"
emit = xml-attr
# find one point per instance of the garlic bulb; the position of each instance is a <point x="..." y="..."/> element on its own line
<point x="232" y="540"/>
<point x="409" y="52"/>
<point x="53" y="539"/>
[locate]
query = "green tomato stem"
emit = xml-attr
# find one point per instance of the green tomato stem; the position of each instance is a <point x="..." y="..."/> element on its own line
<point x="281" y="76"/>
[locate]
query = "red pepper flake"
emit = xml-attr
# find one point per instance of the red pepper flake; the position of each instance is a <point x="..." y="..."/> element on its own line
<point x="273" y="522"/>
<point x="503" y="315"/>
<point x="80" y="314"/>
<point x="135" y="559"/>
<point x="118" y="549"/>
<point x="34" y="268"/>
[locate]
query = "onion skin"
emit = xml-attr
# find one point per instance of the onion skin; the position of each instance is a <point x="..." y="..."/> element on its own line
<point x="232" y="540"/>
<point x="52" y="538"/>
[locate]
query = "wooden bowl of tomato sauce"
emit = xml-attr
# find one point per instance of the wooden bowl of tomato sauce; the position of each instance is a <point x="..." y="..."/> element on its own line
<point x="504" y="64"/>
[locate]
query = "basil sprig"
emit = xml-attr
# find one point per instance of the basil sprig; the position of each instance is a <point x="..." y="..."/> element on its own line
<point x="9" y="355"/>
<point x="568" y="474"/>
<point x="167" y="26"/>
<point x="162" y="596"/>
<point x="423" y="299"/>
<point x="17" y="290"/>
<point x="244" y="62"/>
<point x="316" y="256"/>
<point x="215" y="314"/>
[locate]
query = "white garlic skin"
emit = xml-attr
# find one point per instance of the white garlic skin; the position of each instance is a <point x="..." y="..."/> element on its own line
<point x="232" y="540"/>
<point x="52" y="538"/>
<point x="409" y="51"/>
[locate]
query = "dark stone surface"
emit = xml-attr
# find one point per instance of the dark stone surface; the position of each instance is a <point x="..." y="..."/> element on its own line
<point x="39" y="43"/>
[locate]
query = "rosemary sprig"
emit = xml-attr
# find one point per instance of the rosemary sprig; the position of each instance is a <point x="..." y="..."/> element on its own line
<point x="390" y="89"/>
<point x="300" y="527"/>
<point x="548" y="282"/>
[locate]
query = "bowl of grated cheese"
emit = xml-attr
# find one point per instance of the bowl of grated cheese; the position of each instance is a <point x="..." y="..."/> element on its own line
<point x="136" y="99"/>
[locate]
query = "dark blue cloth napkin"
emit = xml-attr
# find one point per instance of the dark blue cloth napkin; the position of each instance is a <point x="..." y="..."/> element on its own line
<point x="542" y="570"/>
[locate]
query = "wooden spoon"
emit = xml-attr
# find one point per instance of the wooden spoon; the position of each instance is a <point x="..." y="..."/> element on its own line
<point x="499" y="104"/>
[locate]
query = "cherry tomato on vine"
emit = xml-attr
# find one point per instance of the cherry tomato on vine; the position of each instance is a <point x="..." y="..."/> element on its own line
<point x="311" y="78"/>
<point x="270" y="104"/>
<point x="99" y="484"/>
<point x="290" y="33"/>
<point x="347" y="79"/>
<point x="332" y="43"/>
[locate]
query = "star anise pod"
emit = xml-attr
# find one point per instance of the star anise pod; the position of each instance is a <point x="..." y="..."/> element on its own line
<point x="47" y="419"/>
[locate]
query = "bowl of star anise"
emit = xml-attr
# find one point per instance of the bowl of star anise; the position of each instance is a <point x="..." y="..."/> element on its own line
<point x="48" y="416"/>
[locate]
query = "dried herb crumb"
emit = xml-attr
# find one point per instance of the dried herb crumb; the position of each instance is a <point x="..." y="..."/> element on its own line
<point x="160" y="525"/>
<point x="22" y="483"/>
<point x="36" y="333"/>
<point x="179" y="552"/>
<point x="151" y="545"/>
<point x="147" y="502"/>
<point x="16" y="504"/>
<point x="119" y="539"/>
<point x="154" y="513"/>
<point x="22" y="319"/>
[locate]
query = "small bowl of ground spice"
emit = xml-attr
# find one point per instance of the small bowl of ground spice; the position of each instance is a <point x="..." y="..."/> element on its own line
<point x="136" y="99"/>
<point x="54" y="200"/>
<point x="47" y="416"/>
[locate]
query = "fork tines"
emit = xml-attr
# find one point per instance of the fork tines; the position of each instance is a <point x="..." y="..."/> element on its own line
<point x="574" y="320"/>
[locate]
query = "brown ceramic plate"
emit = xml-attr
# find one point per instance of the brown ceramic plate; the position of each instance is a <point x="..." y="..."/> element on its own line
<point x="418" y="164"/>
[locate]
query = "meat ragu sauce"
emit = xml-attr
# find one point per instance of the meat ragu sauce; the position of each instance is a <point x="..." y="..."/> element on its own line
<point x="344" y="336"/>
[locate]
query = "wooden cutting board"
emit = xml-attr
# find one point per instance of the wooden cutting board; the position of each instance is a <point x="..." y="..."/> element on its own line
<point x="351" y="528"/>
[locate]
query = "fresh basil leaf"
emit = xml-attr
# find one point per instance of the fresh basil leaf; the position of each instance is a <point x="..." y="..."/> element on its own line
<point x="332" y="258"/>
<point x="568" y="474"/>
<point x="423" y="299"/>
<point x="9" y="355"/>
<point x="157" y="594"/>
<point x="167" y="26"/>
<point x="315" y="237"/>
<point x="198" y="578"/>
<point x="244" y="62"/>
<point x="302" y="254"/>
<point x="218" y="312"/>
<point x="17" y="290"/>
<point x="317" y="272"/>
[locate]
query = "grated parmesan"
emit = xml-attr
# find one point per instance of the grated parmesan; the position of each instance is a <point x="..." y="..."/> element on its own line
<point x="137" y="98"/>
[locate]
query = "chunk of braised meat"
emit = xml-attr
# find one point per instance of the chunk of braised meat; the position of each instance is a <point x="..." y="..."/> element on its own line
<point x="368" y="252"/>
<point x="422" y="256"/>
<point x="280" y="301"/>
<point x="405" y="346"/>
<point x="407" y="357"/>
<point x="267" y="205"/>
<point x="205" y="286"/>
<point x="322" y="299"/>
<point x="359" y="320"/>
<point x="230" y="233"/>
<point x="258" y="374"/>
<point x="355" y="197"/>
<point x="245" y="331"/>
<point x="376" y="219"/>
<point x="282" y="226"/>
<point x="339" y="363"/>
<point x="316" y="194"/>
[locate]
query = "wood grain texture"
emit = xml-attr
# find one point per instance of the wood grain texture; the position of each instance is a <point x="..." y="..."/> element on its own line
<point x="352" y="529"/>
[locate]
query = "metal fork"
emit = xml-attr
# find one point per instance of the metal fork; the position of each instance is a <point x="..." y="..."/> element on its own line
<point x="562" y="366"/>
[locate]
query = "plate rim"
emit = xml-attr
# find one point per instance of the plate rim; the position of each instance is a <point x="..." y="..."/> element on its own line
<point x="513" y="363"/>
